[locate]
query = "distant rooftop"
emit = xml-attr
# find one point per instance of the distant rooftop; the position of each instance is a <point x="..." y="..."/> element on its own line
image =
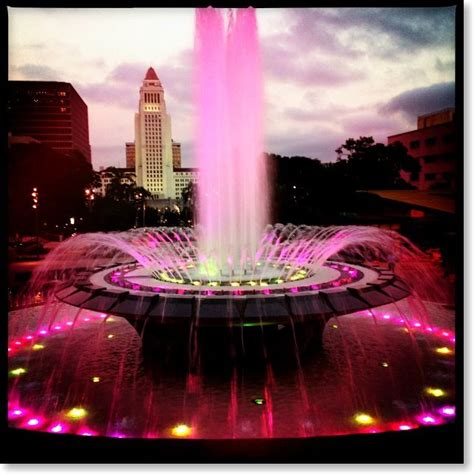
<point x="428" y="200"/>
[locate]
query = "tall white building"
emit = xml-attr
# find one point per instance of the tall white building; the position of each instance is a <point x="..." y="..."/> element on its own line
<point x="153" y="149"/>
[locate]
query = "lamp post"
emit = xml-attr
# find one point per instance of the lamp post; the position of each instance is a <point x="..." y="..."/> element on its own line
<point x="35" y="205"/>
<point x="141" y="201"/>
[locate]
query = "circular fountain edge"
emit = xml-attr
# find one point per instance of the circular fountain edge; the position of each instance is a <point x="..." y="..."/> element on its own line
<point x="222" y="310"/>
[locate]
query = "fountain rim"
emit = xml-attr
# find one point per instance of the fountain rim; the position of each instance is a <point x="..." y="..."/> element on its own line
<point x="241" y="309"/>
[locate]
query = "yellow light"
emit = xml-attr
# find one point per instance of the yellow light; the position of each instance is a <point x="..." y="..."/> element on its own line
<point x="263" y="283"/>
<point x="212" y="283"/>
<point x="96" y="379"/>
<point x="76" y="413"/>
<point x="444" y="350"/>
<point x="110" y="320"/>
<point x="110" y="336"/>
<point x="37" y="347"/>
<point x="384" y="364"/>
<point x="363" y="419"/>
<point x="181" y="430"/>
<point x="435" y="392"/>
<point x="334" y="326"/>
<point x="252" y="283"/>
<point x="196" y="283"/>
<point x="279" y="280"/>
<point x="19" y="371"/>
<point x="234" y="283"/>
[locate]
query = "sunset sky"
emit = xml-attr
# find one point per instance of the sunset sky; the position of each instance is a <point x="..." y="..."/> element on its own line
<point x="330" y="74"/>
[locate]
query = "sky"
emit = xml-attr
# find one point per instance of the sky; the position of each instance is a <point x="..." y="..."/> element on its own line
<point x="329" y="74"/>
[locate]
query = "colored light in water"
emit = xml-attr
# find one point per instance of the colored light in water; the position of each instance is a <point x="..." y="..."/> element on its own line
<point x="96" y="379"/>
<point x="86" y="432"/>
<point x="57" y="328"/>
<point x="386" y="316"/>
<point x="363" y="419"/>
<point x="17" y="343"/>
<point x="259" y="401"/>
<point x="57" y="428"/>
<point x="37" y="347"/>
<point x="15" y="413"/>
<point x="384" y="364"/>
<point x="103" y="315"/>
<point x="252" y="283"/>
<point x="417" y="325"/>
<point x="33" y="422"/>
<point x="29" y="338"/>
<point x="448" y="411"/>
<point x="76" y="413"/>
<point x="110" y="336"/>
<point x="234" y="283"/>
<point x="87" y="319"/>
<point x="443" y="350"/>
<point x="69" y="323"/>
<point x="263" y="283"/>
<point x="334" y="326"/>
<point x="435" y="392"/>
<point x="181" y="430"/>
<point x="428" y="420"/>
<point x="43" y="332"/>
<point x="17" y="372"/>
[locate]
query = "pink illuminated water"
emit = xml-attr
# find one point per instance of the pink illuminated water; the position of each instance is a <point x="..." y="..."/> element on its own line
<point x="232" y="193"/>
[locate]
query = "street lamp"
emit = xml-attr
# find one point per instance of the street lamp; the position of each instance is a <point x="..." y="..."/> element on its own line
<point x="89" y="197"/>
<point x="35" y="205"/>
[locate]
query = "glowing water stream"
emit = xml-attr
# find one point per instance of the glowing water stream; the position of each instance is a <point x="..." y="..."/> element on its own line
<point x="232" y="195"/>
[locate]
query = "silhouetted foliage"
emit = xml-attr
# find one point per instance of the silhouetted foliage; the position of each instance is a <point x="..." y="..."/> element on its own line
<point x="60" y="179"/>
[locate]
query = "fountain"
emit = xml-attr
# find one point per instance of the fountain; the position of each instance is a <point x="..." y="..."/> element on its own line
<point x="352" y="307"/>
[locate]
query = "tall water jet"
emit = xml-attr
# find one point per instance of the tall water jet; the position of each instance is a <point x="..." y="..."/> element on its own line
<point x="232" y="192"/>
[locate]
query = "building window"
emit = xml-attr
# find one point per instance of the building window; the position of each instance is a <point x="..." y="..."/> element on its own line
<point x="430" y="176"/>
<point x="415" y="144"/>
<point x="430" y="141"/>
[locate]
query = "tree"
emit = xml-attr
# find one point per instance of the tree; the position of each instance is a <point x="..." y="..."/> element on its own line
<point x="60" y="179"/>
<point x="188" y="200"/>
<point x="371" y="165"/>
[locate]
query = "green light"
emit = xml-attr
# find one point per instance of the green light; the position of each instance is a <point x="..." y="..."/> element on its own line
<point x="209" y="268"/>
<point x="259" y="401"/>
<point x="76" y="413"/>
<point x="17" y="372"/>
<point x="251" y="325"/>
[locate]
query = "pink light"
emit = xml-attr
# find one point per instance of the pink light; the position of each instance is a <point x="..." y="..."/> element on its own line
<point x="17" y="343"/>
<point x="428" y="419"/>
<point x="70" y="323"/>
<point x="43" y="332"/>
<point x="33" y="422"/>
<point x="103" y="315"/>
<point x="448" y="411"/>
<point x="405" y="427"/>
<point x="429" y="329"/>
<point x="57" y="328"/>
<point x="17" y="412"/>
<point x="57" y="428"/>
<point x="294" y="289"/>
<point x="417" y="325"/>
<point x="86" y="319"/>
<point x="86" y="432"/>
<point x="386" y="316"/>
<point x="29" y="337"/>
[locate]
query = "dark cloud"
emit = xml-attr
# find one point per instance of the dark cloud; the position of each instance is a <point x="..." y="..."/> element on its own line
<point x="372" y="31"/>
<point x="38" y="72"/>
<point x="422" y="100"/>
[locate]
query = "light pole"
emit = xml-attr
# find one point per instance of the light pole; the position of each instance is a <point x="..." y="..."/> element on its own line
<point x="35" y="196"/>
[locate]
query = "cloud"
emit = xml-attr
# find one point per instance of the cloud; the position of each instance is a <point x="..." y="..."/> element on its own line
<point x="37" y="72"/>
<point x="121" y="85"/>
<point x="283" y="64"/>
<point x="396" y="30"/>
<point x="422" y="100"/>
